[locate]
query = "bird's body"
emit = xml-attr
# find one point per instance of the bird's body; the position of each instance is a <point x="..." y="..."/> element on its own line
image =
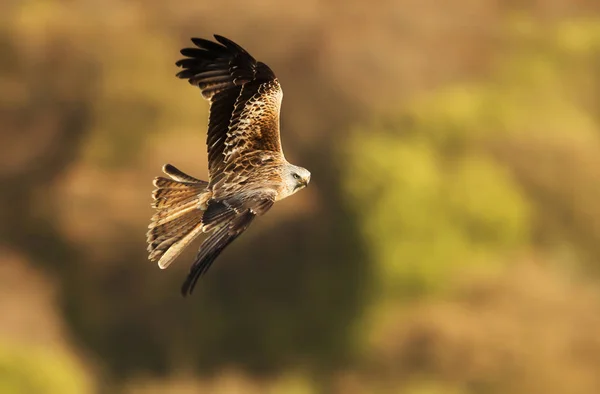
<point x="248" y="171"/>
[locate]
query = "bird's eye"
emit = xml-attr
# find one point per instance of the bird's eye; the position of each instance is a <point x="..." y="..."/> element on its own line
<point x="296" y="176"/>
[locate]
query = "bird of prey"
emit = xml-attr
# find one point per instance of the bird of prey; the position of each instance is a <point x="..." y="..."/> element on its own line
<point x="247" y="169"/>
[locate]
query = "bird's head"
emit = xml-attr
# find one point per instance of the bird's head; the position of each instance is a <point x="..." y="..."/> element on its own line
<point x="294" y="179"/>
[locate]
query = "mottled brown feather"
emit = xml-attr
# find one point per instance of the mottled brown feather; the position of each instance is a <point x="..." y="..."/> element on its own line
<point x="179" y="204"/>
<point x="212" y="247"/>
<point x="244" y="156"/>
<point x="245" y="100"/>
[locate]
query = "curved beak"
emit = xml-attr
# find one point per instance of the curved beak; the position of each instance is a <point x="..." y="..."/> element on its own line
<point x="302" y="183"/>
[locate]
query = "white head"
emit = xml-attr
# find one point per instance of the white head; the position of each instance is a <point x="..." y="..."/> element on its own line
<point x="294" y="179"/>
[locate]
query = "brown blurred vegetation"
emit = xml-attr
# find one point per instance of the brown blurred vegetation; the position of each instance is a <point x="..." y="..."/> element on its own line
<point x="448" y="242"/>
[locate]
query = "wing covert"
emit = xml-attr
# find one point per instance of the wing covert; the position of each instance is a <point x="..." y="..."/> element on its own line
<point x="228" y="219"/>
<point x="245" y="99"/>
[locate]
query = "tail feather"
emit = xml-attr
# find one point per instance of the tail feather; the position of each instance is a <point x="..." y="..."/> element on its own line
<point x="180" y="203"/>
<point x="171" y="193"/>
<point x="169" y="214"/>
<point x="158" y="234"/>
<point x="179" y="175"/>
<point x="178" y="247"/>
<point x="167" y="200"/>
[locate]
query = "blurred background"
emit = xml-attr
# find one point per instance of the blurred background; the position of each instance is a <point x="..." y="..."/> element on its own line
<point x="448" y="242"/>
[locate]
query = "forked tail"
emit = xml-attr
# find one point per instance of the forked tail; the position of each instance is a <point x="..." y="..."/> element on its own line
<point x="180" y="203"/>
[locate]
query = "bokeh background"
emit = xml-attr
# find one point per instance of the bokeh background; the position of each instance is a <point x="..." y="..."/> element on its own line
<point x="448" y="242"/>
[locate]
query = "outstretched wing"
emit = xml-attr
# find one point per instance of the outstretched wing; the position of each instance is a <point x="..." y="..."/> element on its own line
<point x="245" y="100"/>
<point x="227" y="220"/>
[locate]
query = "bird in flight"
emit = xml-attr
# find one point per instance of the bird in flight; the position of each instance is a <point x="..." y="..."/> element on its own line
<point x="247" y="169"/>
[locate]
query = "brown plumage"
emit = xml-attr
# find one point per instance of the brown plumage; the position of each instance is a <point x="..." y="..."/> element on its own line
<point x="247" y="169"/>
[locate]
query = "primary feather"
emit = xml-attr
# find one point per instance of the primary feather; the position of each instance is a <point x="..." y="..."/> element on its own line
<point x="247" y="169"/>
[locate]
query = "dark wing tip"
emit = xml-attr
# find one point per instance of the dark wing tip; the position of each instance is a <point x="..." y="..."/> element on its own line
<point x="218" y="66"/>
<point x="207" y="44"/>
<point x="187" y="288"/>
<point x="198" y="269"/>
<point x="232" y="45"/>
<point x="212" y="247"/>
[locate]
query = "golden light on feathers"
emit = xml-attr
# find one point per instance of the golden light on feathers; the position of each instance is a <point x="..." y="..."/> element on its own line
<point x="247" y="169"/>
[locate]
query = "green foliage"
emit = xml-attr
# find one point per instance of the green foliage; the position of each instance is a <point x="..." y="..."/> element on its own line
<point x="432" y="193"/>
<point x="424" y="214"/>
<point x="272" y="302"/>
<point x="27" y="369"/>
<point x="457" y="180"/>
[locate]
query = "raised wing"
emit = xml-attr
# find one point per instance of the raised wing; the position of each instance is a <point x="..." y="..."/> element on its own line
<point x="227" y="220"/>
<point x="245" y="100"/>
